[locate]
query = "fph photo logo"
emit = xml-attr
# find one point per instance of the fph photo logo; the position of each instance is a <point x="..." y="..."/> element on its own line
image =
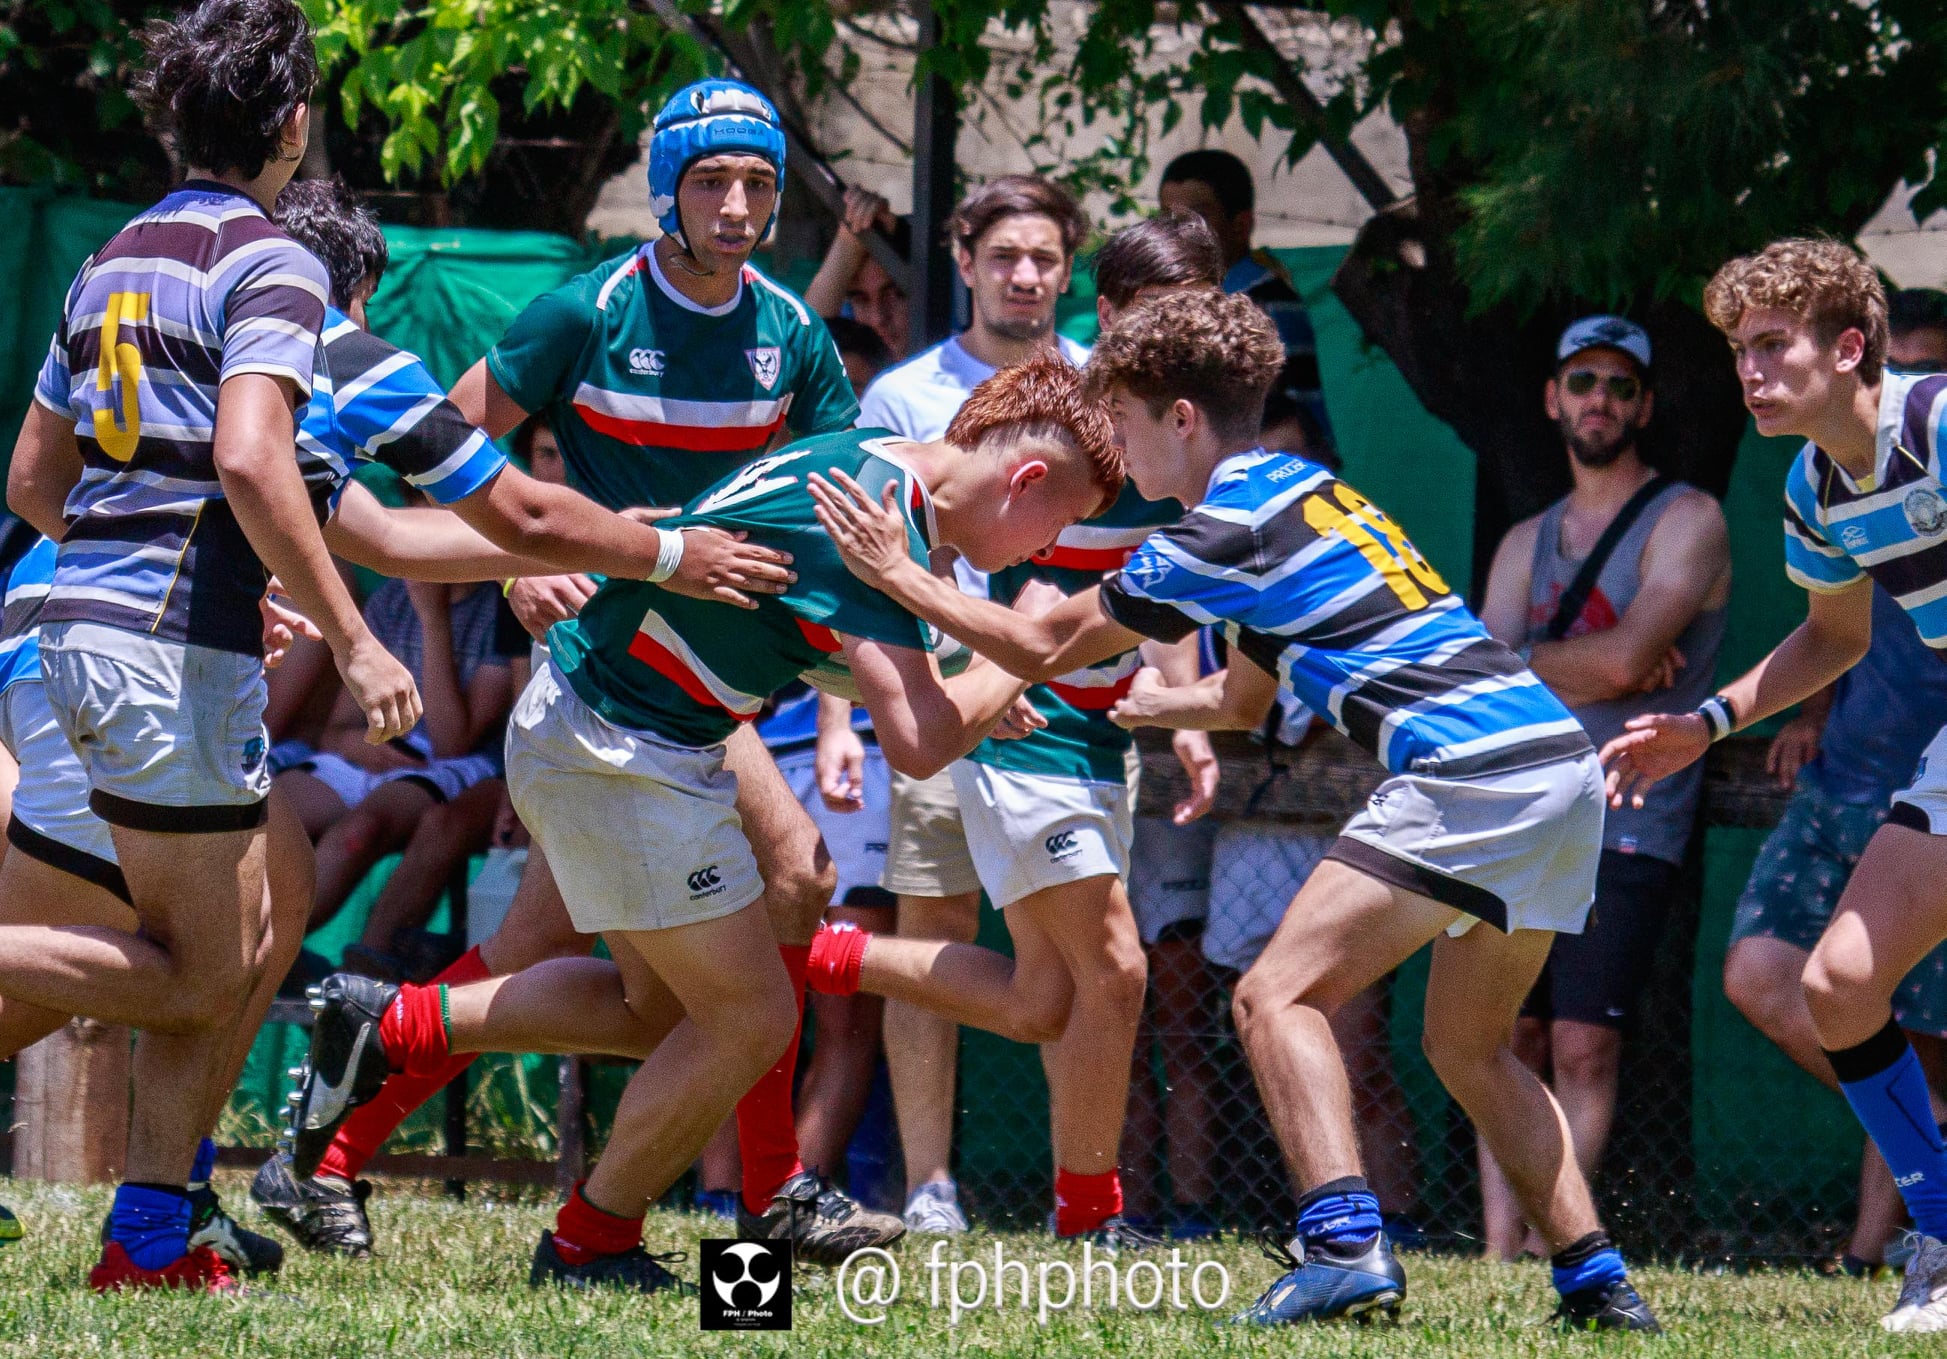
<point x="746" y="1285"/>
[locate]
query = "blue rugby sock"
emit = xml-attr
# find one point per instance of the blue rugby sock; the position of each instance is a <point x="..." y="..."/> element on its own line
<point x="1342" y="1216"/>
<point x="151" y="1221"/>
<point x="1886" y="1088"/>
<point x="1590" y="1263"/>
<point x="205" y="1166"/>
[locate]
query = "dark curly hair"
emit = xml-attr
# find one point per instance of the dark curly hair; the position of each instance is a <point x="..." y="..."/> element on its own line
<point x="326" y="218"/>
<point x="225" y="78"/>
<point x="1214" y="350"/>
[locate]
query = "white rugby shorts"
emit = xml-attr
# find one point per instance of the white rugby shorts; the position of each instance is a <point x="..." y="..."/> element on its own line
<point x="640" y="834"/>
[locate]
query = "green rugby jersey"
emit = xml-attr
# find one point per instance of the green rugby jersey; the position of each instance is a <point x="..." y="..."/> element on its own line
<point x="1079" y="741"/>
<point x="655" y="399"/>
<point x="689" y="670"/>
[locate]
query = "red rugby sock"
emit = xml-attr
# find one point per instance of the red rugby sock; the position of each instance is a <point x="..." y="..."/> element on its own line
<point x="370" y="1124"/>
<point x="767" y="1134"/>
<point x="1085" y="1202"/>
<point x="583" y="1232"/>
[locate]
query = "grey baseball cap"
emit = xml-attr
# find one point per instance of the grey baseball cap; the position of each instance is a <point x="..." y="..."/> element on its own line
<point x="1605" y="332"/>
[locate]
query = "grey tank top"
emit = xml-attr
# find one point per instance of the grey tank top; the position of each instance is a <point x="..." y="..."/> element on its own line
<point x="1662" y="828"/>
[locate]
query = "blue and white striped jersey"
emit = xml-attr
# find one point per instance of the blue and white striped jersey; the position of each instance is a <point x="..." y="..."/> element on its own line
<point x="1313" y="583"/>
<point x="1893" y="525"/>
<point x="20" y="615"/>
<point x="375" y="402"/>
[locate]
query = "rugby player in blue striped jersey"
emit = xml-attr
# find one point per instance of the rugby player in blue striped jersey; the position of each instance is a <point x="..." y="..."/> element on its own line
<point x="1863" y="505"/>
<point x="1492" y="815"/>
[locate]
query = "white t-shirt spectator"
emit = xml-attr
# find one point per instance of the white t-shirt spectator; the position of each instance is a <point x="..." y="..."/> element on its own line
<point x="920" y="397"/>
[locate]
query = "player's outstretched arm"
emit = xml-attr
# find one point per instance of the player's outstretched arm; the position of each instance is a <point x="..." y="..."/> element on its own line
<point x="572" y="534"/>
<point x="1035" y="642"/>
<point x="1838" y="628"/>
<point x="923" y="722"/>
<point x="418" y="543"/>
<point x="256" y="463"/>
<point x="1235" y="699"/>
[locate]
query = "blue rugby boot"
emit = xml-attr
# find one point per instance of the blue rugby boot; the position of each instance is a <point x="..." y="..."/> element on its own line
<point x="1326" y="1285"/>
<point x="1595" y="1290"/>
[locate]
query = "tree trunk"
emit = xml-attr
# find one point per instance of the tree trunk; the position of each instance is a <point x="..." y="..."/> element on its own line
<point x="71" y="1097"/>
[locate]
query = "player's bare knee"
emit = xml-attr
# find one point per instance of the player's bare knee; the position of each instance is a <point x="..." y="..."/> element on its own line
<point x="1247" y="1005"/>
<point x="1837" y="981"/>
<point x="767" y="1022"/>
<point x="1588" y="1059"/>
<point x="1761" y="994"/>
<point x="1118" y="983"/>
<point x="795" y="897"/>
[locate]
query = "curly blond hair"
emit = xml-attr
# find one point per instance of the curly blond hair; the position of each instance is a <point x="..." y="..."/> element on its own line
<point x="1217" y="351"/>
<point x="1825" y="281"/>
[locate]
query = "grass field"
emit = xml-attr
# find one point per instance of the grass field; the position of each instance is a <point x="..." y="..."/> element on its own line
<point x="452" y="1281"/>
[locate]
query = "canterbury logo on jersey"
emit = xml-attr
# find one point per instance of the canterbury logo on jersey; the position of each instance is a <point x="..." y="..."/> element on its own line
<point x="706" y="882"/>
<point x="646" y="362"/>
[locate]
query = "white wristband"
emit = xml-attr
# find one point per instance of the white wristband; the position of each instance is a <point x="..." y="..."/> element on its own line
<point x="1718" y="715"/>
<point x="669" y="555"/>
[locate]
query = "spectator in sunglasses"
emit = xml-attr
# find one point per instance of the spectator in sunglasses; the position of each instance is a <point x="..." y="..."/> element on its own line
<point x="1616" y="624"/>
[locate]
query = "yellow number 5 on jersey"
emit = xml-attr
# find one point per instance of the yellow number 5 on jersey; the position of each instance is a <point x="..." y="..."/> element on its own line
<point x="120" y="360"/>
<point x="1357" y="520"/>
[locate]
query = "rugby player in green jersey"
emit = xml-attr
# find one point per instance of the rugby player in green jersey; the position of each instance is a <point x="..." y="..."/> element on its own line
<point x="617" y="764"/>
<point x="660" y="372"/>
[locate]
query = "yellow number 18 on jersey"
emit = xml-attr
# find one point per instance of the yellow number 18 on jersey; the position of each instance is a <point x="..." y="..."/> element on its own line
<point x="1379" y="541"/>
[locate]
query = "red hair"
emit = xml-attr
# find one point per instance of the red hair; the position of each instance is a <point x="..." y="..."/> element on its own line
<point x="1042" y="398"/>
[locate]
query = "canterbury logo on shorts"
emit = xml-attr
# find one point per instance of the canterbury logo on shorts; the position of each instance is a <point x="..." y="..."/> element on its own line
<point x="705" y="882"/>
<point x="1061" y="844"/>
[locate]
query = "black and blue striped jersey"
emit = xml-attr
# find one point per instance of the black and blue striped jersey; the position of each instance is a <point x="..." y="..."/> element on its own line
<point x="1313" y="583"/>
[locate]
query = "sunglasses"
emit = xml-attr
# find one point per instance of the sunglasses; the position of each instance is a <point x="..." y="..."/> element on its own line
<point x="1582" y="381"/>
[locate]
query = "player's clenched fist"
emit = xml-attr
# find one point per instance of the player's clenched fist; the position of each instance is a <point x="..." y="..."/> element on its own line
<point x="1653" y="746"/>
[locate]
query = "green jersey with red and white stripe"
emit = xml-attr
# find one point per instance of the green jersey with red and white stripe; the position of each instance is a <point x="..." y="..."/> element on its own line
<point x="654" y="398"/>
<point x="1079" y="741"/>
<point x="689" y="670"/>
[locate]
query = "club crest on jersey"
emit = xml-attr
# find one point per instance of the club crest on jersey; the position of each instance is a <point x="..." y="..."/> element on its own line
<point x="1145" y="569"/>
<point x="646" y="362"/>
<point x="764" y="364"/>
<point x="1926" y="512"/>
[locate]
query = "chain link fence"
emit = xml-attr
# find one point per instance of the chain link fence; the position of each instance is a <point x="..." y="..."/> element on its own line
<point x="1721" y="1151"/>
